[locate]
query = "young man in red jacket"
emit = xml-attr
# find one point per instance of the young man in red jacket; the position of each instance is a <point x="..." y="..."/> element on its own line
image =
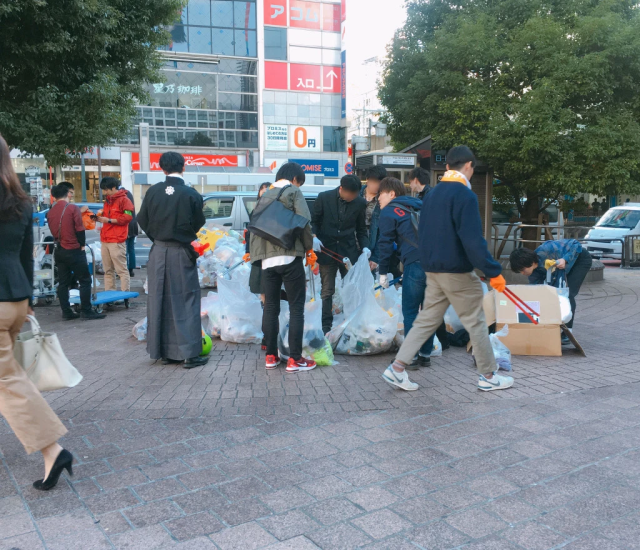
<point x="116" y="215"/>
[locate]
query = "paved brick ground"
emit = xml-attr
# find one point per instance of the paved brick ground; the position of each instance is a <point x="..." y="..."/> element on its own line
<point x="230" y="456"/>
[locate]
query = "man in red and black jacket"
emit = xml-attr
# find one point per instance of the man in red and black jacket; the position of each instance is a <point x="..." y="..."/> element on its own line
<point x="65" y="223"/>
<point x="117" y="213"/>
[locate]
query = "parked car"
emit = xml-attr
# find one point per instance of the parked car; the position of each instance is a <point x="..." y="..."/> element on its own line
<point x="231" y="210"/>
<point x="616" y="223"/>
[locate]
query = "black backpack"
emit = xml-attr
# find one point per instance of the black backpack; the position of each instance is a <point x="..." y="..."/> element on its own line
<point x="414" y="219"/>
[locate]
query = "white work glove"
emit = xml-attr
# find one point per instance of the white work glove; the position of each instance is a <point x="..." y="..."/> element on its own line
<point x="384" y="281"/>
<point x="367" y="252"/>
<point x="317" y="244"/>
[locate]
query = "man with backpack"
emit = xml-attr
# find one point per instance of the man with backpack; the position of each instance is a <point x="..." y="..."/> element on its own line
<point x="451" y="247"/>
<point x="396" y="229"/>
<point x="280" y="266"/>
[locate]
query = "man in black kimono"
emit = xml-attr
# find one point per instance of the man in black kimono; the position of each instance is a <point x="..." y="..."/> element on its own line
<point x="171" y="215"/>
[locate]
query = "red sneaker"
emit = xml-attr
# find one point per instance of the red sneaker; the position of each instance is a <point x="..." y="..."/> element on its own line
<point x="301" y="365"/>
<point x="272" y="361"/>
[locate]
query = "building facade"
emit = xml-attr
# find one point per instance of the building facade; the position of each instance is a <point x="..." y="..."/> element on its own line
<point x="247" y="86"/>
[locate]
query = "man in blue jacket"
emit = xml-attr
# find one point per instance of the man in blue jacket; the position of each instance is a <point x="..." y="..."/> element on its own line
<point x="451" y="245"/>
<point x="396" y="229"/>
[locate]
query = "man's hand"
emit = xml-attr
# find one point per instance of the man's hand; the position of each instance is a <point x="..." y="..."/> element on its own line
<point x="83" y="209"/>
<point x="367" y="252"/>
<point x="561" y="263"/>
<point x="83" y="248"/>
<point x="246" y="258"/>
<point x="317" y="244"/>
<point x="498" y="283"/>
<point x="311" y="258"/>
<point x="384" y="281"/>
<point x="102" y="219"/>
<point x="30" y="311"/>
<point x="373" y="266"/>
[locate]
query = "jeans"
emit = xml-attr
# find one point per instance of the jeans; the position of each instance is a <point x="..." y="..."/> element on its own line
<point x="294" y="279"/>
<point x="414" y="283"/>
<point x="575" y="278"/>
<point x="131" y="253"/>
<point x="328" y="279"/>
<point x="72" y="265"/>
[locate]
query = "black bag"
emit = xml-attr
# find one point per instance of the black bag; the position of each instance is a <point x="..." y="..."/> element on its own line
<point x="274" y="222"/>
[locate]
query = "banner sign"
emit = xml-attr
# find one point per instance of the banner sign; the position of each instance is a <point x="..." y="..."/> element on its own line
<point x="190" y="160"/>
<point x="328" y="168"/>
<point x="276" y="137"/>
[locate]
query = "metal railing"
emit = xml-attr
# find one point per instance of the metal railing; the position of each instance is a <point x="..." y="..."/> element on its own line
<point x="628" y="243"/>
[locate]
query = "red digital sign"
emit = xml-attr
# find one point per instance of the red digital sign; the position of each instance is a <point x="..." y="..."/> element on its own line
<point x="331" y="17"/>
<point x="275" y="75"/>
<point x="303" y="78"/>
<point x="275" y="12"/>
<point x="304" y="15"/>
<point x="190" y="160"/>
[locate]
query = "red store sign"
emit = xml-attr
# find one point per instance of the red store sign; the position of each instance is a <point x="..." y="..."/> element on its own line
<point x="190" y="160"/>
<point x="302" y="15"/>
<point x="303" y="78"/>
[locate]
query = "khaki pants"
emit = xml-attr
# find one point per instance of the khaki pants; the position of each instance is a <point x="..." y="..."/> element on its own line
<point x="114" y="260"/>
<point x="464" y="292"/>
<point x="28" y="414"/>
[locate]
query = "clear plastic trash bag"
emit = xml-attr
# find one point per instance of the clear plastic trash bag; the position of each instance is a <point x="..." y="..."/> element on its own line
<point x="500" y="351"/>
<point x="240" y="313"/>
<point x="140" y="330"/>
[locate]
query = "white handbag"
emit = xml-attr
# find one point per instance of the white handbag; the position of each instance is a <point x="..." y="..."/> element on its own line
<point x="41" y="355"/>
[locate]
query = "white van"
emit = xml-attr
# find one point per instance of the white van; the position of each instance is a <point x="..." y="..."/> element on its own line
<point x="616" y="223"/>
<point x="231" y="210"/>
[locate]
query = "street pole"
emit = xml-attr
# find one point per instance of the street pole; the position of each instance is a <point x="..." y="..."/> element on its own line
<point x="99" y="173"/>
<point x="83" y="177"/>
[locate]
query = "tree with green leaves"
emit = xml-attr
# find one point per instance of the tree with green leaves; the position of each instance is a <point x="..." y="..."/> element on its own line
<point x="71" y="71"/>
<point x="546" y="92"/>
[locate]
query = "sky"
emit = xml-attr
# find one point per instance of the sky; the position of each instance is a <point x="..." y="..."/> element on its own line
<point x="370" y="27"/>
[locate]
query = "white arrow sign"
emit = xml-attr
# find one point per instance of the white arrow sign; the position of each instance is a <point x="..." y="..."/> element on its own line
<point x="331" y="76"/>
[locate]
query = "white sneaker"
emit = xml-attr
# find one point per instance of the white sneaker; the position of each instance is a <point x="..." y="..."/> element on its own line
<point x="498" y="382"/>
<point x="401" y="380"/>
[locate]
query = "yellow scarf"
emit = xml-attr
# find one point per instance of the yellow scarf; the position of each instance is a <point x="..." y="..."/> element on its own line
<point x="454" y="175"/>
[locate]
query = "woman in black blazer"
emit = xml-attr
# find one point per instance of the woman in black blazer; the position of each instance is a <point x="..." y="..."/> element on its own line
<point x="28" y="414"/>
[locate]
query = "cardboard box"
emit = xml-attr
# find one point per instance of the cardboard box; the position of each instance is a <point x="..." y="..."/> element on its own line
<point x="525" y="337"/>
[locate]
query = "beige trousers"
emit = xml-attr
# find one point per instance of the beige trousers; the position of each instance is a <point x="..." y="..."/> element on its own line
<point x="464" y="292"/>
<point x="114" y="260"/>
<point x="28" y="414"/>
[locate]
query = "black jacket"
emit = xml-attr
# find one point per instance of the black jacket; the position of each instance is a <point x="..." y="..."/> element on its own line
<point x="172" y="211"/>
<point x="16" y="257"/>
<point x="339" y="235"/>
<point x="133" y="224"/>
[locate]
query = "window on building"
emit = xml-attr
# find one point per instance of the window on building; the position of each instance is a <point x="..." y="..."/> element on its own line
<point x="335" y="139"/>
<point x="275" y="43"/>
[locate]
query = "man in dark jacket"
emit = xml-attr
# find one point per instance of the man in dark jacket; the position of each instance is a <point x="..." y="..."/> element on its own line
<point x="373" y="176"/>
<point x="338" y="223"/>
<point x="451" y="245"/>
<point x="396" y="230"/>
<point x="420" y="182"/>
<point x="171" y="216"/>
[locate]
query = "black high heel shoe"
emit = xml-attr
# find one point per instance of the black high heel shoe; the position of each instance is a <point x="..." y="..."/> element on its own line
<point x="63" y="462"/>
